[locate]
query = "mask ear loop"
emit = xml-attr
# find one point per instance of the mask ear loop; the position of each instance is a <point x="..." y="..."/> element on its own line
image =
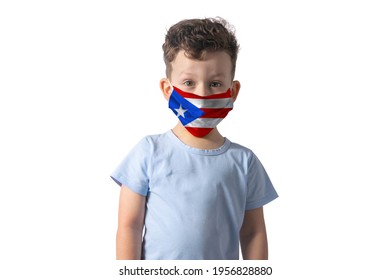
<point x="231" y="88"/>
<point x="172" y="88"/>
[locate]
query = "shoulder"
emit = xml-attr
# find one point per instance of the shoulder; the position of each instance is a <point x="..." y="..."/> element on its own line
<point x="154" y="140"/>
<point x="245" y="155"/>
<point x="239" y="149"/>
<point x="151" y="145"/>
<point x="147" y="149"/>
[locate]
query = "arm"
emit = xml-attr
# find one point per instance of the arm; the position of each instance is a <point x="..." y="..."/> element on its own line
<point x="253" y="236"/>
<point x="130" y="225"/>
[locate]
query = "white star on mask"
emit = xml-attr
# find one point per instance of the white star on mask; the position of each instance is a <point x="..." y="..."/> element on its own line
<point x="180" y="111"/>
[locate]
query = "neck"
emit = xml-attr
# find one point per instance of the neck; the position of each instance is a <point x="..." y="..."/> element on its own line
<point x="213" y="140"/>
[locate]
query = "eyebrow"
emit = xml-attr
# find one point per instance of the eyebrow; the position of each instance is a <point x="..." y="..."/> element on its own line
<point x="213" y="76"/>
<point x="222" y="75"/>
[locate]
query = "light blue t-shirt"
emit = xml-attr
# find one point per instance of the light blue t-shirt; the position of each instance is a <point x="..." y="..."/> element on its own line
<point x="196" y="199"/>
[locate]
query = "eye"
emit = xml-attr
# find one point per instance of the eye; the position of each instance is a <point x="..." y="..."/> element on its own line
<point x="189" y="83"/>
<point x="215" y="84"/>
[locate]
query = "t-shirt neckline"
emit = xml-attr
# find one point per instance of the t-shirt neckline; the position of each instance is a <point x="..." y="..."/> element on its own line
<point x="212" y="152"/>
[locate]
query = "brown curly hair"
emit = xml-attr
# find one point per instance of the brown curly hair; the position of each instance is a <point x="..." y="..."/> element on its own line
<point x="197" y="37"/>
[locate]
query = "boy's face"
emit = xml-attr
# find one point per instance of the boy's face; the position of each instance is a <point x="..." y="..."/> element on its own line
<point x="205" y="77"/>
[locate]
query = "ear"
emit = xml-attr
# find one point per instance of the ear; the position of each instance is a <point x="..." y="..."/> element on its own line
<point x="235" y="89"/>
<point x="166" y="88"/>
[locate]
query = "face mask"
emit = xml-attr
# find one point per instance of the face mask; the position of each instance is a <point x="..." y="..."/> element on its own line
<point x="200" y="114"/>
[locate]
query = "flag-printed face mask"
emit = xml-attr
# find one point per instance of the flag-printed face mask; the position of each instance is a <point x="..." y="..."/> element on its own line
<point x="200" y="114"/>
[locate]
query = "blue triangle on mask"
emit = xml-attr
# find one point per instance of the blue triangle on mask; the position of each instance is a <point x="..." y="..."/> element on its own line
<point x="183" y="109"/>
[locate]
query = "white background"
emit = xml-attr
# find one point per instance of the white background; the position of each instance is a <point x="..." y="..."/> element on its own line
<point x="79" y="87"/>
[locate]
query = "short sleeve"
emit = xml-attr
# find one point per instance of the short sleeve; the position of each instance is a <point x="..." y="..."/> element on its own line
<point x="260" y="190"/>
<point x="133" y="170"/>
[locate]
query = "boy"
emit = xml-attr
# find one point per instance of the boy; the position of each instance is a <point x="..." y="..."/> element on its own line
<point x="190" y="193"/>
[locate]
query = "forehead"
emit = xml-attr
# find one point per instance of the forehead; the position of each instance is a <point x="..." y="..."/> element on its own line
<point x="213" y="63"/>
